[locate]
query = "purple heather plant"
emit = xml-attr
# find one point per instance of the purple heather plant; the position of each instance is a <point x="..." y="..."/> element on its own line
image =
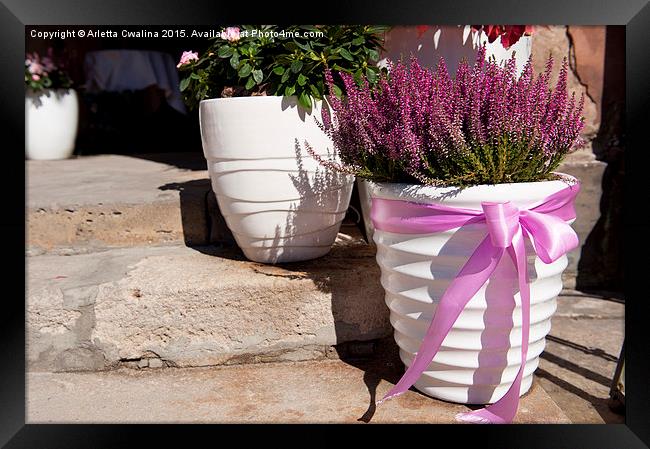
<point x="483" y="126"/>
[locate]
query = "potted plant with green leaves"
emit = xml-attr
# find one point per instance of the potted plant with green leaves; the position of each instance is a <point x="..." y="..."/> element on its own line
<point x="472" y="221"/>
<point x="259" y="90"/>
<point x="51" y="109"/>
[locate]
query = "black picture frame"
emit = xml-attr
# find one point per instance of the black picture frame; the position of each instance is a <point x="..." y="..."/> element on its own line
<point x="16" y="14"/>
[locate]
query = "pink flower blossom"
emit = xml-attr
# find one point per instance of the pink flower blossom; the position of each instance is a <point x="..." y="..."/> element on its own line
<point x="36" y="77"/>
<point x="35" y="68"/>
<point x="231" y="34"/>
<point x="187" y="57"/>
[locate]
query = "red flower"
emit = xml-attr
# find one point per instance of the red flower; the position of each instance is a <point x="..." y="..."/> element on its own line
<point x="421" y="30"/>
<point x="510" y="34"/>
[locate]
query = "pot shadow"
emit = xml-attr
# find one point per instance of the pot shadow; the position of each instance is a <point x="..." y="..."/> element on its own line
<point x="204" y="227"/>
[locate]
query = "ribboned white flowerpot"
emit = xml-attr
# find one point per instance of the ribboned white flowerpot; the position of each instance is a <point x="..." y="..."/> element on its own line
<point x="280" y="204"/>
<point x="478" y="360"/>
<point x="51" y="122"/>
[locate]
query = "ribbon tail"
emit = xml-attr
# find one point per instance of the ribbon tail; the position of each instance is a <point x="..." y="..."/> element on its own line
<point x="462" y="288"/>
<point x="504" y="410"/>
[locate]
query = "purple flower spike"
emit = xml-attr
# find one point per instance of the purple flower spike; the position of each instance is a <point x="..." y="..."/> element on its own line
<point x="485" y="124"/>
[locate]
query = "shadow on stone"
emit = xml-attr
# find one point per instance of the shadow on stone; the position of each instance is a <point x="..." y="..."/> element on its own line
<point x="202" y="222"/>
<point x="601" y="405"/>
<point x="600" y="266"/>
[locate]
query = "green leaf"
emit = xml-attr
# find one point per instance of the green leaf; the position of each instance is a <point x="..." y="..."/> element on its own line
<point x="250" y="83"/>
<point x="371" y="75"/>
<point x="357" y="76"/>
<point x="296" y="66"/>
<point x="194" y="76"/>
<point x="245" y="70"/>
<point x="313" y="56"/>
<point x="289" y="90"/>
<point x="374" y="55"/>
<point x="257" y="76"/>
<point x="302" y="79"/>
<point x="285" y="76"/>
<point x="358" y="41"/>
<point x="304" y="100"/>
<point x="279" y="70"/>
<point x="337" y="91"/>
<point x="346" y="54"/>
<point x="305" y="47"/>
<point x="184" y="83"/>
<point x="234" y="61"/>
<point x="225" y="51"/>
<point x="315" y="92"/>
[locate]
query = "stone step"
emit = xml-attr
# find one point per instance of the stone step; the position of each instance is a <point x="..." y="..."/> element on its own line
<point x="81" y="204"/>
<point x="93" y="202"/>
<point x="173" y="305"/>
<point x="331" y="391"/>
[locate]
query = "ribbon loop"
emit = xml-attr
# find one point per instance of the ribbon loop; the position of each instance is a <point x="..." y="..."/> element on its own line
<point x="545" y="225"/>
<point x="502" y="220"/>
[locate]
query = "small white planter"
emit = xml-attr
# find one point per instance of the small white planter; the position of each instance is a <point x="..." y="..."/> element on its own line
<point x="51" y="122"/>
<point x="477" y="361"/>
<point x="280" y="204"/>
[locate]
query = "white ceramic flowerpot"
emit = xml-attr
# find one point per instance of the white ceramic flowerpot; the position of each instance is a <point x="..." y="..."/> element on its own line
<point x="51" y="122"/>
<point x="478" y="360"/>
<point x="280" y="204"/>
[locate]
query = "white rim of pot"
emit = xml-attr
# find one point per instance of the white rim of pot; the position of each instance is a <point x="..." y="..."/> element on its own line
<point x="428" y="192"/>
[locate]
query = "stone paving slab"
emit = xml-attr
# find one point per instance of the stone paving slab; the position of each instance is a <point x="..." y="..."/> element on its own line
<point x="110" y="178"/>
<point x="114" y="200"/>
<point x="304" y="392"/>
<point x="579" y="361"/>
<point x="198" y="306"/>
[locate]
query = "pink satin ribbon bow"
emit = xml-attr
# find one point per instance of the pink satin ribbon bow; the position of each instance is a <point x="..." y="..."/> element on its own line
<point x="544" y="224"/>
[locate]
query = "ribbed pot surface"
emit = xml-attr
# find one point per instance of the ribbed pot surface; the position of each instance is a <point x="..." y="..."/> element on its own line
<point x="480" y="356"/>
<point x="279" y="202"/>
